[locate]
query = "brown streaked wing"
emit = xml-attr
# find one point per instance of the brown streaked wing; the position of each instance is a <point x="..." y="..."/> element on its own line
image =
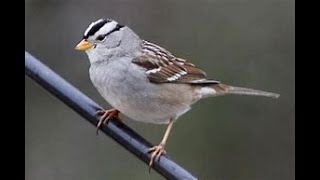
<point x="162" y="67"/>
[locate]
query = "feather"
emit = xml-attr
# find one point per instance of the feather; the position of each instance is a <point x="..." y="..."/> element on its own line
<point x="163" y="67"/>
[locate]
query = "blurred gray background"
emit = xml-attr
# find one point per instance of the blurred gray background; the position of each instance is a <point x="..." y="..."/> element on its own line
<point x="247" y="43"/>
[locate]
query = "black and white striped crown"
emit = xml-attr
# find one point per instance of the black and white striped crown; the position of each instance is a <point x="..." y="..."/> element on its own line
<point x="97" y="25"/>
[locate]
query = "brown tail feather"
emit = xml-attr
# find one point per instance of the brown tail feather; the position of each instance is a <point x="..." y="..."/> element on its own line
<point x="222" y="89"/>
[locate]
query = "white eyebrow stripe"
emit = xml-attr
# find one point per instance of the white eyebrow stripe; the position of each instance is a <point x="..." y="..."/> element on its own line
<point x="91" y="25"/>
<point x="106" y="28"/>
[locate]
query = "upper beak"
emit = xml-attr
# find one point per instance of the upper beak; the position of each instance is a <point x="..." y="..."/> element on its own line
<point x="84" y="45"/>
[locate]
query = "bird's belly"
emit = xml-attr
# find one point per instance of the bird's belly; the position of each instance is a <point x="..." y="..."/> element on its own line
<point x="145" y="106"/>
<point x="134" y="96"/>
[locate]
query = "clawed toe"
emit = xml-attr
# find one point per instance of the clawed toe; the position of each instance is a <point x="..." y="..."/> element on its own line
<point x="106" y="115"/>
<point x="156" y="152"/>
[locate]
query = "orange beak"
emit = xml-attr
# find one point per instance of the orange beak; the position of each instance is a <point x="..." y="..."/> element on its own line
<point x="84" y="45"/>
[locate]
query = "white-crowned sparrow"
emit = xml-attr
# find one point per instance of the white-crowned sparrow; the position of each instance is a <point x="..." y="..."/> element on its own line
<point x="143" y="80"/>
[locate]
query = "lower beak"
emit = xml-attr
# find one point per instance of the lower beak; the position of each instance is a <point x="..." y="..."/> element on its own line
<point x="84" y="45"/>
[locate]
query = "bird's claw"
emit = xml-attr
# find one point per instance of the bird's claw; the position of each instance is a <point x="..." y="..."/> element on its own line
<point x="106" y="115"/>
<point x="156" y="152"/>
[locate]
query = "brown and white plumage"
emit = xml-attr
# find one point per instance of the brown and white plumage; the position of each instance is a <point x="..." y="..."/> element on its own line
<point x="143" y="80"/>
<point x="161" y="66"/>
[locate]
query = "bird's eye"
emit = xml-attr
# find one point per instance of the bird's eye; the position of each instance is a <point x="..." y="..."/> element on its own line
<point x="101" y="37"/>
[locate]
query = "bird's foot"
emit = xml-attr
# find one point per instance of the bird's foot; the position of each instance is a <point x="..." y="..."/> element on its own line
<point x="106" y="115"/>
<point x="156" y="152"/>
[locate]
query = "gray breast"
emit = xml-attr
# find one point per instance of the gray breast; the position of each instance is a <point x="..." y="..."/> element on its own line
<point x="127" y="89"/>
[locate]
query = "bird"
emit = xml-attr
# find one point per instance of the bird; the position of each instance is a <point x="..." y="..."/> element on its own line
<point x="144" y="81"/>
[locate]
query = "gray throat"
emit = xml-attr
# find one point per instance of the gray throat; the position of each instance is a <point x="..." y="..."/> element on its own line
<point x="126" y="44"/>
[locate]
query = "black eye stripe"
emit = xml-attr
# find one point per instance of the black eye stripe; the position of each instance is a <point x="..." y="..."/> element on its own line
<point x="117" y="28"/>
<point x="101" y="37"/>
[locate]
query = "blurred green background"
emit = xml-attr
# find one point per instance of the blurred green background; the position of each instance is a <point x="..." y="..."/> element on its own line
<point x="247" y="43"/>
